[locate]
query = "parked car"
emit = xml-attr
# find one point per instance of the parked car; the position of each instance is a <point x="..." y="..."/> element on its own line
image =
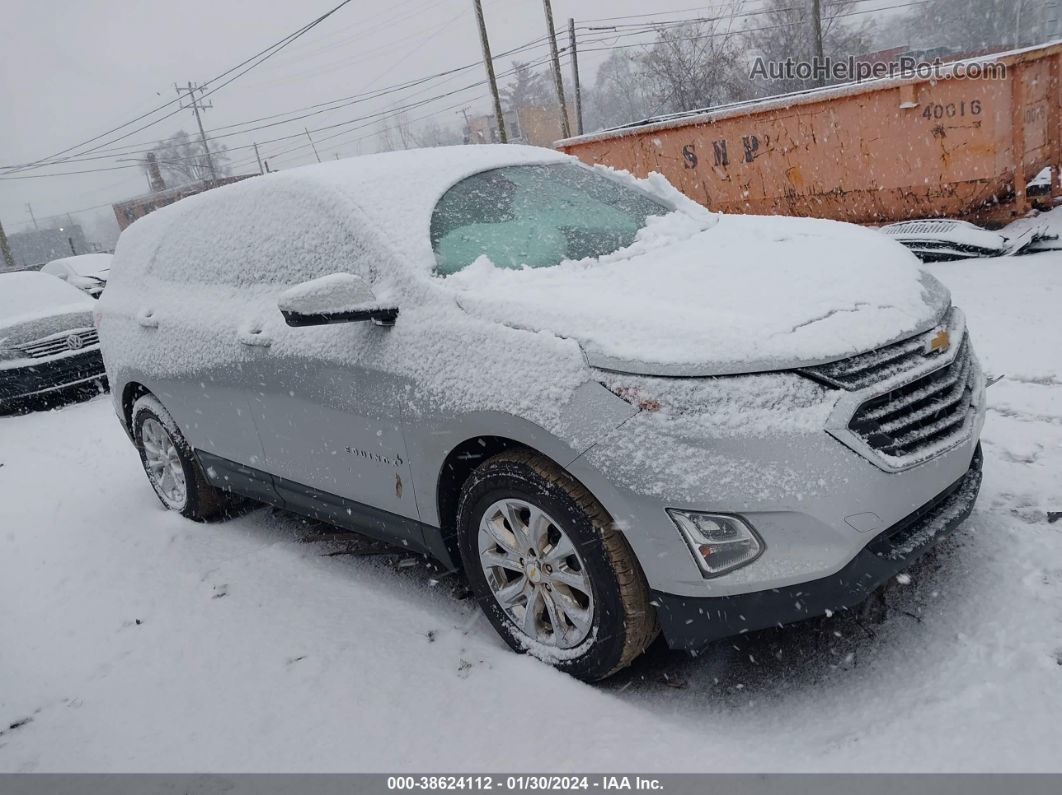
<point x="615" y="411"/>
<point x="86" y="272"/>
<point x="47" y="338"/>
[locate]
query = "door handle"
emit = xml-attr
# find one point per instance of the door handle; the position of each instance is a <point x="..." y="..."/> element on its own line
<point x="252" y="334"/>
<point x="147" y="319"/>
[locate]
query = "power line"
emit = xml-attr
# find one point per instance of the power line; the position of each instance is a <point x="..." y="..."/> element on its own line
<point x="268" y="52"/>
<point x="386" y="112"/>
<point x="311" y="110"/>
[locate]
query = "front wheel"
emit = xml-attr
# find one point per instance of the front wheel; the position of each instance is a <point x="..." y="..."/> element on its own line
<point x="549" y="569"/>
<point x="171" y="467"/>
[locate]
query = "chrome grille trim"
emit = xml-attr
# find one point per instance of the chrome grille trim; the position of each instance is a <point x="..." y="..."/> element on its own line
<point x="903" y="358"/>
<point x="55" y="344"/>
<point x="921" y="406"/>
<point x="924" y="413"/>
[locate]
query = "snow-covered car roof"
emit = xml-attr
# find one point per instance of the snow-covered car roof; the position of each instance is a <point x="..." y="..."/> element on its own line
<point x="394" y="192"/>
<point x="397" y="191"/>
<point x="28" y="294"/>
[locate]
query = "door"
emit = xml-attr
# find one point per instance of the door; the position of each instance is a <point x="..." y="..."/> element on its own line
<point x="186" y="346"/>
<point x="327" y="410"/>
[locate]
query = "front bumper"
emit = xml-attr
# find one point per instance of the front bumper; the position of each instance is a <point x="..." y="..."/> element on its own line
<point x="691" y="623"/>
<point x="49" y="375"/>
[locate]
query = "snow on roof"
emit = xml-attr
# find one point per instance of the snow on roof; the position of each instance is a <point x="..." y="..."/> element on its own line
<point x="395" y="192"/>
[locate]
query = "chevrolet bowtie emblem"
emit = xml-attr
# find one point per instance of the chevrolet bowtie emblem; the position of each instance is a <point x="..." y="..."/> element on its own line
<point x="939" y="342"/>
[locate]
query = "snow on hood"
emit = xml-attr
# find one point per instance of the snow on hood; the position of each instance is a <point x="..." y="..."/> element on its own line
<point x="29" y="295"/>
<point x="749" y="294"/>
<point x="87" y="264"/>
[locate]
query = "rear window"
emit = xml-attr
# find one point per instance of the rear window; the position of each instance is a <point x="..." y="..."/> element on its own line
<point x="242" y="237"/>
<point x="537" y="216"/>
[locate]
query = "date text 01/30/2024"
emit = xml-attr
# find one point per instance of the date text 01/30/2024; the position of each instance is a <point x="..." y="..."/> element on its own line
<point x="523" y="782"/>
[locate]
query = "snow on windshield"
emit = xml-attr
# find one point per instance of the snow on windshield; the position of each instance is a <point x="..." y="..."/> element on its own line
<point x="537" y="216"/>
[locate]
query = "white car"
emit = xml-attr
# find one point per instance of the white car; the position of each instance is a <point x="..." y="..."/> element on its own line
<point x="616" y="411"/>
<point x="87" y="272"/>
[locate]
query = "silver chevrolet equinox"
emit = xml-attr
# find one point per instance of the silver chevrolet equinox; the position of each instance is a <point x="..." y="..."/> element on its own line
<point x="617" y="413"/>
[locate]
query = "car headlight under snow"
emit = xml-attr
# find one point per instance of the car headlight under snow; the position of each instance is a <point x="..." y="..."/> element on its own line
<point x="9" y="354"/>
<point x="720" y="543"/>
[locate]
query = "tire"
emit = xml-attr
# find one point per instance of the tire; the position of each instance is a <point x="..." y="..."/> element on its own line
<point x="591" y="613"/>
<point x="198" y="500"/>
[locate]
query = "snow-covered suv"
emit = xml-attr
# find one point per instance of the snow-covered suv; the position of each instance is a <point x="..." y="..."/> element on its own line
<point x="616" y="411"/>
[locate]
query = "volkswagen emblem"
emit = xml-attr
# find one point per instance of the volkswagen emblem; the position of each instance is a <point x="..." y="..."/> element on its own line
<point x="74" y="342"/>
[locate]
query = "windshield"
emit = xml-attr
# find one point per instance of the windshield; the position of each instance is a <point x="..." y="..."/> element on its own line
<point x="536" y="216"/>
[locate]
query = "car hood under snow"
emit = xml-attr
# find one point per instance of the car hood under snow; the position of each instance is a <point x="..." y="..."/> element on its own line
<point x="749" y="294"/>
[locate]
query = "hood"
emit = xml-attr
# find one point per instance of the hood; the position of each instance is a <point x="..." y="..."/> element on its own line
<point x="34" y="305"/>
<point x="750" y="294"/>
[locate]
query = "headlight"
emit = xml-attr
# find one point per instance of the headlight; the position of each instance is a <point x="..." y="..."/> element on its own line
<point x="634" y="396"/>
<point x="9" y="354"/>
<point x="720" y="543"/>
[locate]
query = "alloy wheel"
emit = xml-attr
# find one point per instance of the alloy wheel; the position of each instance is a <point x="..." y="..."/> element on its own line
<point x="162" y="461"/>
<point x="535" y="573"/>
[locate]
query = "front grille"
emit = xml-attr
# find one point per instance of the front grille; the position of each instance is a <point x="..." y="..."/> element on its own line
<point x="929" y="227"/>
<point x="60" y="343"/>
<point x="923" y="417"/>
<point x="858" y="372"/>
<point x="17" y="382"/>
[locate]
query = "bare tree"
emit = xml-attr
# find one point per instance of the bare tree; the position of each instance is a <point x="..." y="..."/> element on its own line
<point x="431" y="133"/>
<point x="618" y="94"/>
<point x="968" y="26"/>
<point x="696" y="65"/>
<point x="784" y="32"/>
<point x="397" y="131"/>
<point x="182" y="159"/>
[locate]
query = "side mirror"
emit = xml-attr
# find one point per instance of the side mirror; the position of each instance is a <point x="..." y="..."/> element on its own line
<point x="336" y="298"/>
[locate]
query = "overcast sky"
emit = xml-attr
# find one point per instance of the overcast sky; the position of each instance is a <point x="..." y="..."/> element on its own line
<point x="73" y="69"/>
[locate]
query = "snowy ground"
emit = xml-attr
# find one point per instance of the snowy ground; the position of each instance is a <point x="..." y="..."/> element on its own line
<point x="131" y="639"/>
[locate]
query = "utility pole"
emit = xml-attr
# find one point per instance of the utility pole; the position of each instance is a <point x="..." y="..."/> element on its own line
<point x="816" y="38"/>
<point x="260" y="169"/>
<point x="312" y="144"/>
<point x="155" y="179"/>
<point x="196" y="105"/>
<point x="575" y="77"/>
<point x="557" y="79"/>
<point x="32" y="216"/>
<point x="5" y="250"/>
<point x="489" y="64"/>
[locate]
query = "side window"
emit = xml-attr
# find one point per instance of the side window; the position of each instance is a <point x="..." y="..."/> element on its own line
<point x="282" y="237"/>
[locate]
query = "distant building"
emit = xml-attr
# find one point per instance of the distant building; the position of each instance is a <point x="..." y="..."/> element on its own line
<point x="38" y="246"/>
<point x="527" y="124"/>
<point x="128" y="211"/>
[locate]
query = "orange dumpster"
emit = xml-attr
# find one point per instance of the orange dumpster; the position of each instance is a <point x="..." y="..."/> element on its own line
<point x="875" y="152"/>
